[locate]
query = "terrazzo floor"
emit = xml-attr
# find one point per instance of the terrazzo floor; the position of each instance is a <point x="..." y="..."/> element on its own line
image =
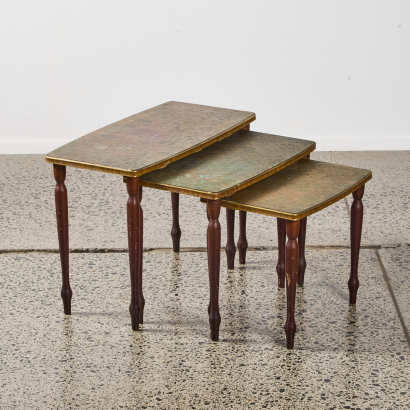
<point x="344" y="358"/>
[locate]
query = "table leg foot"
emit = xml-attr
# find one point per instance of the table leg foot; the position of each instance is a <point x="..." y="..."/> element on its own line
<point x="242" y="241"/>
<point x="62" y="228"/>
<point x="230" y="248"/>
<point x="280" y="267"/>
<point x="214" y="257"/>
<point x="355" y="236"/>
<point x="291" y="258"/>
<point x="302" y="259"/>
<point x="176" y="230"/>
<point x="133" y="224"/>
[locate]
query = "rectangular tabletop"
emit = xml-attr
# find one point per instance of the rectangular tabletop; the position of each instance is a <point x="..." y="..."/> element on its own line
<point x="229" y="165"/>
<point x="151" y="139"/>
<point x="299" y="190"/>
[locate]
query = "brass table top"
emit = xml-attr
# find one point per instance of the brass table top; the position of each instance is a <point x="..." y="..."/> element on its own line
<point x="151" y="139"/>
<point x="229" y="165"/>
<point x="299" y="190"/>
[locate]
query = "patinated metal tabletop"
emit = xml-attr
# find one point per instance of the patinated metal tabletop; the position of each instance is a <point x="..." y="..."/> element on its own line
<point x="151" y="139"/>
<point x="229" y="165"/>
<point x="299" y="190"/>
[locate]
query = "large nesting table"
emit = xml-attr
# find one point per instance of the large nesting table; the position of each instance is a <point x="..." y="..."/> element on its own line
<point x="132" y="147"/>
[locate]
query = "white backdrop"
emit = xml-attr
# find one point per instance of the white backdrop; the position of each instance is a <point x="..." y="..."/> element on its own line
<point x="337" y="72"/>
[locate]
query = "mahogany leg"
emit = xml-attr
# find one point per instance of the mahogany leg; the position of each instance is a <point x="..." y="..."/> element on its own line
<point x="141" y="300"/>
<point x="230" y="248"/>
<point x="62" y="227"/>
<point x="207" y="215"/>
<point x="214" y="257"/>
<point x="280" y="267"/>
<point x="242" y="242"/>
<point x="176" y="230"/>
<point x="291" y="258"/>
<point x="355" y="236"/>
<point x="302" y="259"/>
<point x="133" y="222"/>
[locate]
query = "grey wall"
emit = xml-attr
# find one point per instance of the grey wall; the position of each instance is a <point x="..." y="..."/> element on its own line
<point x="333" y="71"/>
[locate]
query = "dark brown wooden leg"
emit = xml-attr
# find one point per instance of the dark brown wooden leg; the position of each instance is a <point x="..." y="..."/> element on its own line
<point x="207" y="215"/>
<point x="230" y="248"/>
<point x="291" y="257"/>
<point x="280" y="267"/>
<point x="62" y="227"/>
<point x="355" y="236"/>
<point x="176" y="230"/>
<point x="242" y="241"/>
<point x="133" y="222"/>
<point x="302" y="259"/>
<point x="214" y="258"/>
<point x="141" y="300"/>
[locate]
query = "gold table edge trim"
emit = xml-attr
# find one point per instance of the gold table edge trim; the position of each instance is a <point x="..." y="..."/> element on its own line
<point x="160" y="164"/>
<point x="290" y="216"/>
<point x="234" y="189"/>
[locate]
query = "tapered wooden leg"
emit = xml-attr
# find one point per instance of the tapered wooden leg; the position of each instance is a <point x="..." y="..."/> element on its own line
<point x="176" y="230"/>
<point x="214" y="257"/>
<point x="141" y="300"/>
<point x="230" y="248"/>
<point x="302" y="259"/>
<point x="133" y="222"/>
<point x="355" y="236"/>
<point x="62" y="228"/>
<point x="242" y="241"/>
<point x="291" y="257"/>
<point x="207" y="215"/>
<point x="280" y="267"/>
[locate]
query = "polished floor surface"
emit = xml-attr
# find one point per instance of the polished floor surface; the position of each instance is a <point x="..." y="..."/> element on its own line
<point x="344" y="356"/>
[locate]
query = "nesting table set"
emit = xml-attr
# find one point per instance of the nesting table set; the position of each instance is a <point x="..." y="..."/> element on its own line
<point x="210" y="153"/>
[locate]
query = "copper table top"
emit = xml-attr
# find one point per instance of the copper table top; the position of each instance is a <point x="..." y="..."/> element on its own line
<point x="229" y="165"/>
<point x="151" y="139"/>
<point x="299" y="190"/>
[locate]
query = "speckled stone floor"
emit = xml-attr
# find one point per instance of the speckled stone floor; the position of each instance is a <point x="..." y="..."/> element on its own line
<point x="344" y="357"/>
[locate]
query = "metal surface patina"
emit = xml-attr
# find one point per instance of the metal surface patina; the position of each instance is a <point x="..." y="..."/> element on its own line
<point x="299" y="190"/>
<point x="229" y="165"/>
<point x="151" y="139"/>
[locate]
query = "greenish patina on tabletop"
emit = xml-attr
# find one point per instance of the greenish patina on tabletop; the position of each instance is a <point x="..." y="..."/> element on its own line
<point x="151" y="139"/>
<point x="299" y="190"/>
<point x="229" y="165"/>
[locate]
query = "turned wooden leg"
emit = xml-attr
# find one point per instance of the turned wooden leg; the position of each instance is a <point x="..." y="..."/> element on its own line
<point x="291" y="257"/>
<point x="302" y="259"/>
<point x="242" y="242"/>
<point x="280" y="267"/>
<point x="230" y="248"/>
<point x="207" y="215"/>
<point x="133" y="222"/>
<point x="355" y="236"/>
<point x="141" y="300"/>
<point x="62" y="228"/>
<point x="214" y="257"/>
<point x="176" y="230"/>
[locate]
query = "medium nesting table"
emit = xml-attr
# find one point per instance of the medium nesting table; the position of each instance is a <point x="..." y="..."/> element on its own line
<point x="222" y="169"/>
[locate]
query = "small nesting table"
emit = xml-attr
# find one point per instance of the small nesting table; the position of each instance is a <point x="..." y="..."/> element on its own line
<point x="293" y="194"/>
